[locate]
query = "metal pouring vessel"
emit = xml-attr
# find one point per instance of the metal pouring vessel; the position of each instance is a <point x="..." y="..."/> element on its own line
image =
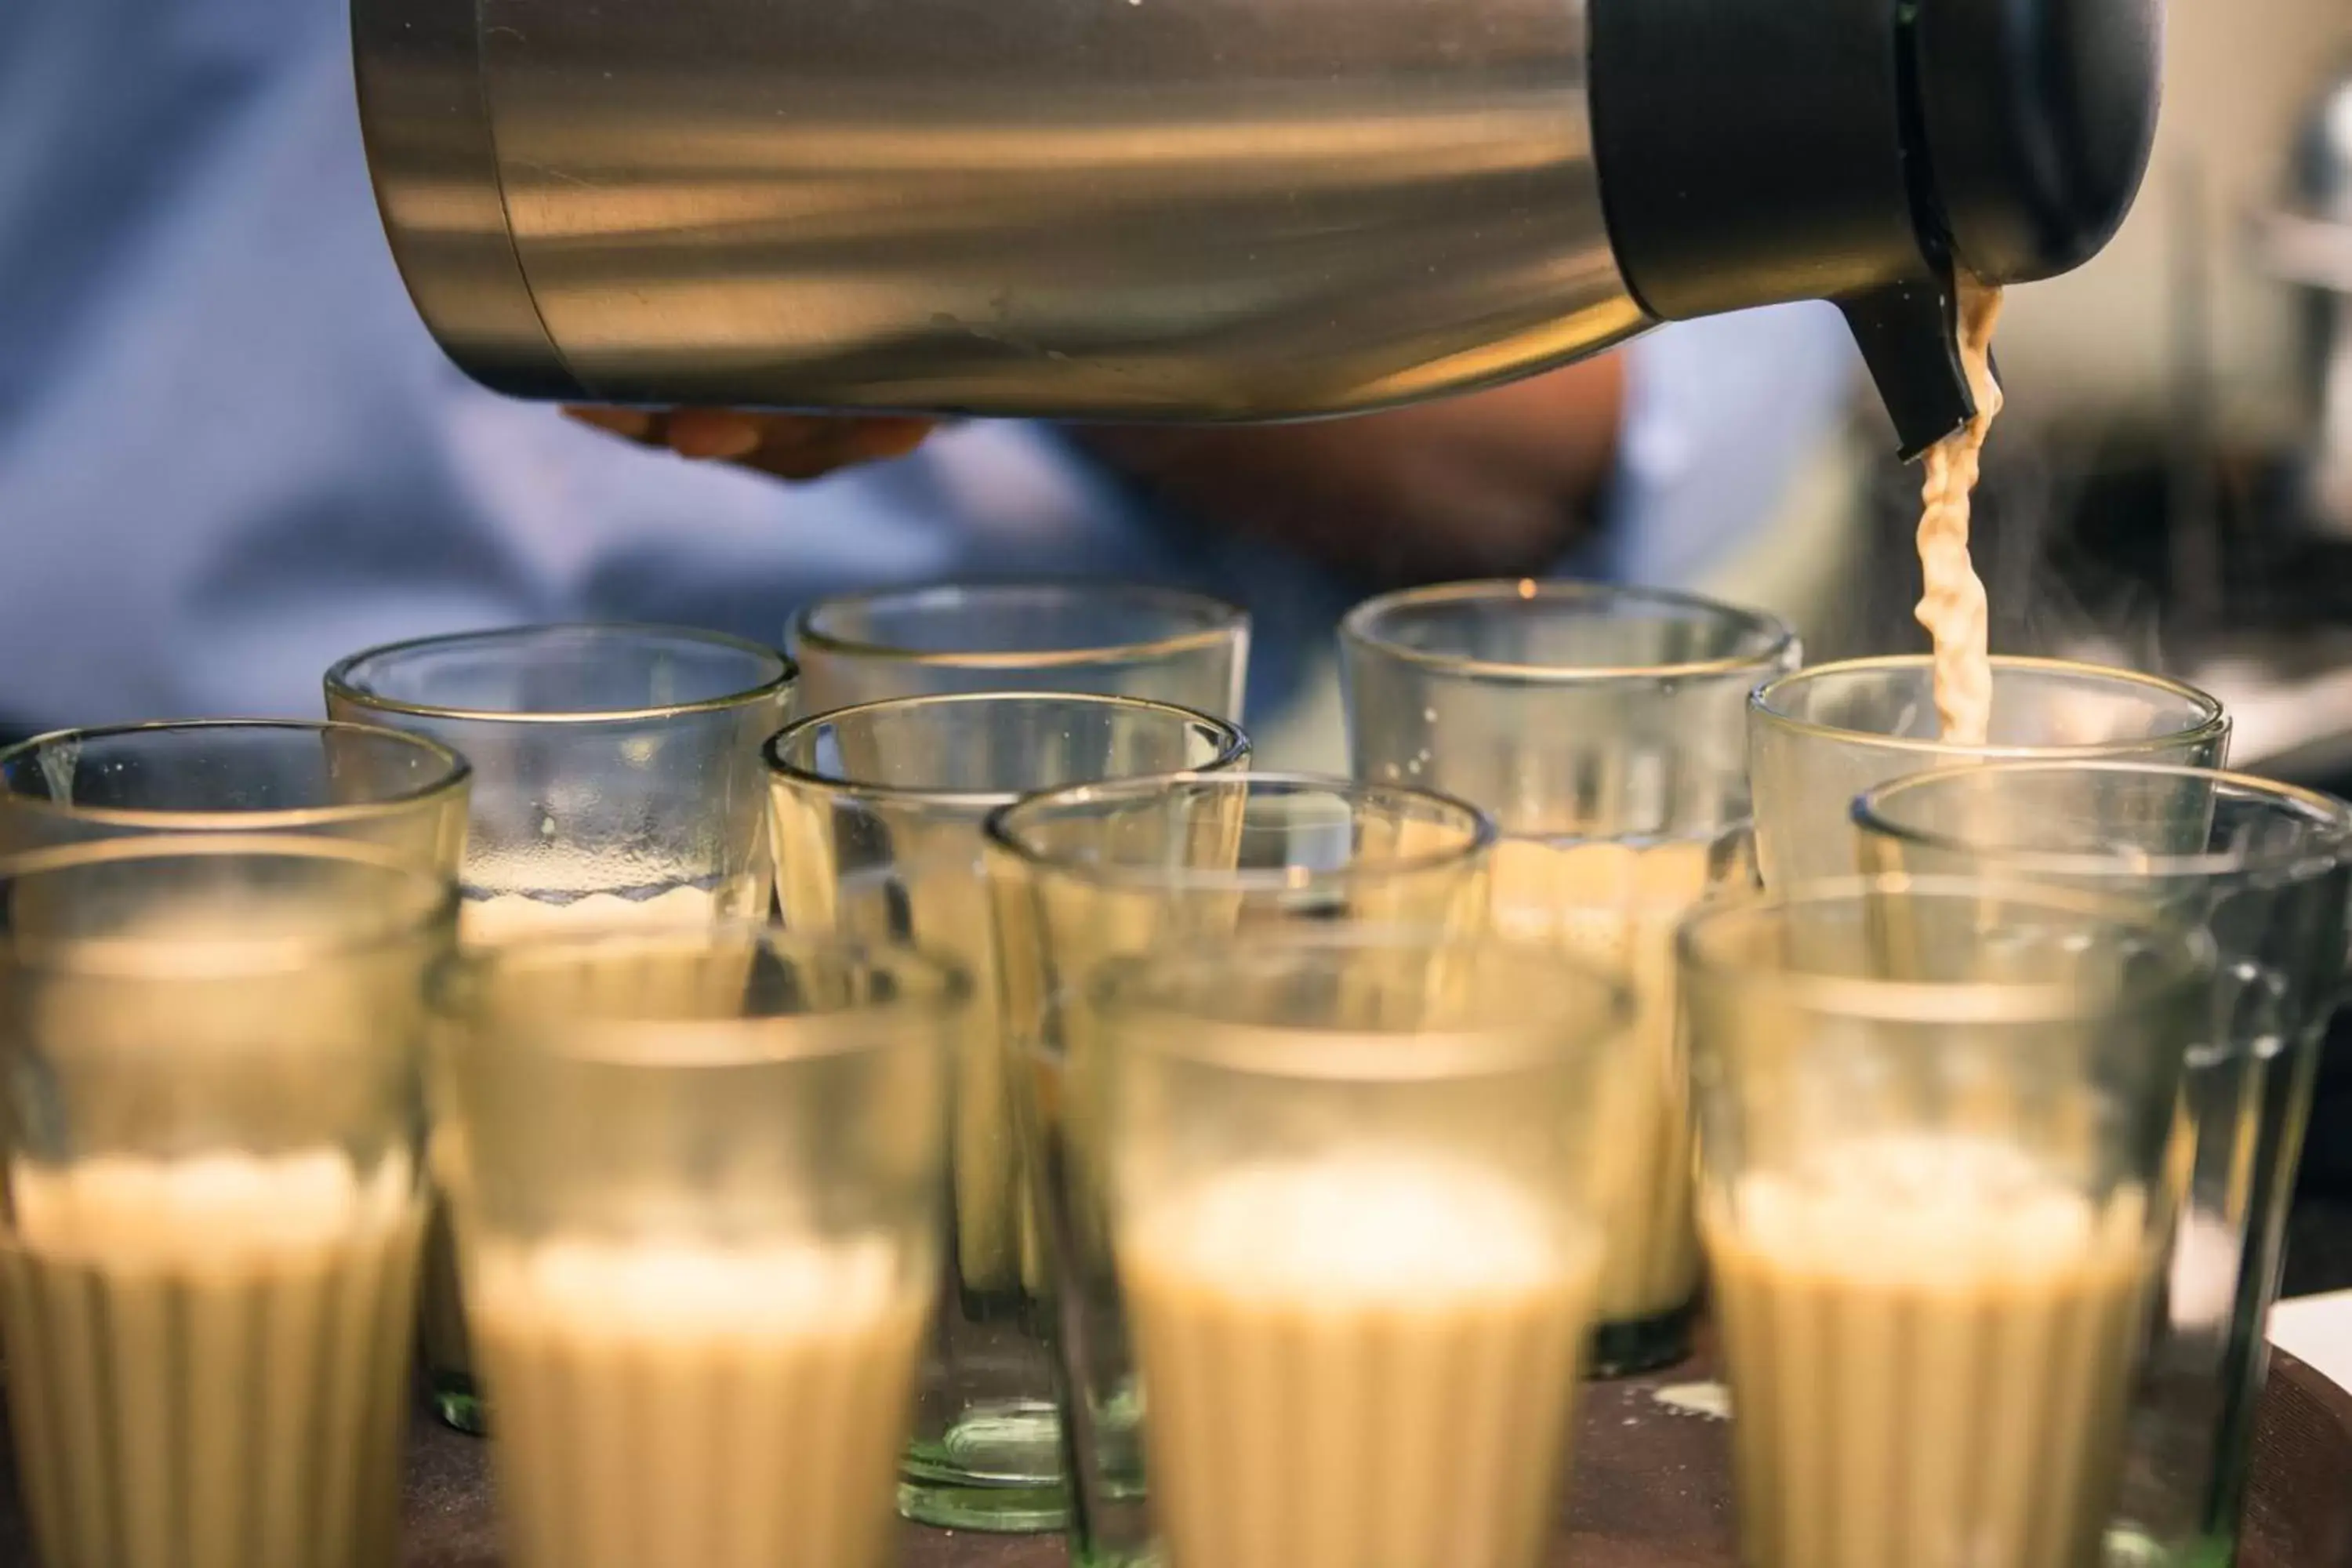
<point x="1193" y="210"/>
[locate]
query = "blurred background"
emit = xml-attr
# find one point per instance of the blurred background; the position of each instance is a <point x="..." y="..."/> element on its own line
<point x="2172" y="485"/>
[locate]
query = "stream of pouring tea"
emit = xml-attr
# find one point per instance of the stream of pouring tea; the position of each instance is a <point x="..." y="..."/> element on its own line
<point x="1952" y="607"/>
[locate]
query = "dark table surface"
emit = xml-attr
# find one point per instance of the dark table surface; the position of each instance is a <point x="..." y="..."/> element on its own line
<point x="1652" y="1490"/>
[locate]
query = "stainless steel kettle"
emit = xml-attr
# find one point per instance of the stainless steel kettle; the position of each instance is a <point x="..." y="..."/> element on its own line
<point x="1221" y="210"/>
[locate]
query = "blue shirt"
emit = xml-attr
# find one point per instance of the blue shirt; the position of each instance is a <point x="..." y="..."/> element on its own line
<point x="229" y="451"/>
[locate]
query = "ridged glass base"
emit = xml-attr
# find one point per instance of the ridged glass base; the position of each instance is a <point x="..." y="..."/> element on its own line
<point x="998" y="1469"/>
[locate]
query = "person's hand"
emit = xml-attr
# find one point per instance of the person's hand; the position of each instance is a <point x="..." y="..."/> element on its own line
<point x="789" y="445"/>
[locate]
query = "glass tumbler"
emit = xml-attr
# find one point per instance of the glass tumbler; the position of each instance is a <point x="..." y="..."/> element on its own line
<point x="616" y="777"/>
<point x="407" y="792"/>
<point x="698" y="1200"/>
<point x="1096" y="871"/>
<point x="2265" y="870"/>
<point x="211" y="1117"/>
<point x="1355" y="1205"/>
<point x="879" y="811"/>
<point x="1821" y="736"/>
<point x="1937" y="1136"/>
<point x="1603" y="729"/>
<point x="1105" y="640"/>
<point x="350" y="782"/>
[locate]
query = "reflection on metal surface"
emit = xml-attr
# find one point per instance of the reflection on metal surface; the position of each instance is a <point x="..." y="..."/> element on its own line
<point x="1109" y="208"/>
<point x="436" y="179"/>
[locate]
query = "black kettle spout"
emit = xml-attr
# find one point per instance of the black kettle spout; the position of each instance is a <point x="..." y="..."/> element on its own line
<point x="1909" y="335"/>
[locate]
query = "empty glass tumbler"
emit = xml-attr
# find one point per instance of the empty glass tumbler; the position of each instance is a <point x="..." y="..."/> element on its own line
<point x="407" y="792"/>
<point x="616" y="768"/>
<point x="1603" y="729"/>
<point x="1821" y="736"/>
<point x="878" y="813"/>
<point x="1104" y="638"/>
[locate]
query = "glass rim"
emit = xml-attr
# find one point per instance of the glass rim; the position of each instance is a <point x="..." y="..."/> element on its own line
<point x="1354" y="629"/>
<point x="2214" y="725"/>
<point x="680" y="1039"/>
<point x="457" y="773"/>
<point x="2187" y="951"/>
<point x="1004" y="830"/>
<point x="2332" y="817"/>
<point x="1573" y="991"/>
<point x="120" y="957"/>
<point x="1233" y="745"/>
<point x="1221" y="620"/>
<point x="341" y="684"/>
